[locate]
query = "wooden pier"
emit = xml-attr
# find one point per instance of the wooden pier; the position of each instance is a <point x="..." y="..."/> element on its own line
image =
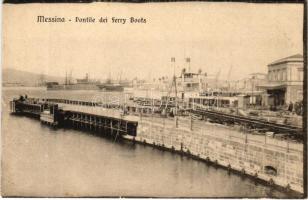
<point x="51" y="114"/>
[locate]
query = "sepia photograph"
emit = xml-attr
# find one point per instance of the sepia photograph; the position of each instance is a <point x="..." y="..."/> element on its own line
<point x="183" y="99"/>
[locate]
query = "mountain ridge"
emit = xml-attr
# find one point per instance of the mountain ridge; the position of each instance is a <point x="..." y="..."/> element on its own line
<point x="25" y="78"/>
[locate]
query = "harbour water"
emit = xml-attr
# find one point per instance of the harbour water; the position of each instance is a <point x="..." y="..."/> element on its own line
<point x="40" y="161"/>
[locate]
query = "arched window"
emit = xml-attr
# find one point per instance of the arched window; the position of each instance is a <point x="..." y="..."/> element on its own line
<point x="270" y="170"/>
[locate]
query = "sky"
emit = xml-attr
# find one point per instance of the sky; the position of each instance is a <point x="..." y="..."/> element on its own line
<point x="234" y="38"/>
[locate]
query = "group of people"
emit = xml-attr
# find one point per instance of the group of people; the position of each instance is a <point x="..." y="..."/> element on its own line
<point x="296" y="107"/>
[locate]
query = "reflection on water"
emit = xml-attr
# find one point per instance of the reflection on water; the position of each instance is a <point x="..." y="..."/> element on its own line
<point x="38" y="160"/>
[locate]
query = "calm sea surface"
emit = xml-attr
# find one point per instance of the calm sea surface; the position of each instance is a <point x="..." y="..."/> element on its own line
<point x="40" y="161"/>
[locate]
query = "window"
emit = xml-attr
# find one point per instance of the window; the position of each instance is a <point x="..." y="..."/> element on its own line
<point x="269" y="75"/>
<point x="275" y="75"/>
<point x="300" y="74"/>
<point x="299" y="95"/>
<point x="279" y="75"/>
<point x="270" y="170"/>
<point x="284" y="75"/>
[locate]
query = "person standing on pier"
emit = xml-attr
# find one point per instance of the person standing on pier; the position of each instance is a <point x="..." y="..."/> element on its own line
<point x="290" y="108"/>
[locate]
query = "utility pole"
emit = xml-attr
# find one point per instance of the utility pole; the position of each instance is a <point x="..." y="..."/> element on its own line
<point x="216" y="83"/>
<point x="174" y="82"/>
<point x="171" y="86"/>
<point x="252" y="88"/>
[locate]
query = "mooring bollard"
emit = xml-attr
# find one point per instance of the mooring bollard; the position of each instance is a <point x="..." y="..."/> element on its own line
<point x="271" y="182"/>
<point x="176" y="122"/>
<point x="229" y="167"/>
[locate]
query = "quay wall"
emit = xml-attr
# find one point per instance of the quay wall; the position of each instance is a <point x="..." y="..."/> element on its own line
<point x="275" y="161"/>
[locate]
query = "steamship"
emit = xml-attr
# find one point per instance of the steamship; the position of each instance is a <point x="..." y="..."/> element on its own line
<point x="81" y="84"/>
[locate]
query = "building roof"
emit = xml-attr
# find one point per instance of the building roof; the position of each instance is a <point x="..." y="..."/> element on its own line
<point x="294" y="58"/>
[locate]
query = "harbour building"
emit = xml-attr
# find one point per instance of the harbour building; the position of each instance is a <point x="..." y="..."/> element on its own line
<point x="285" y="81"/>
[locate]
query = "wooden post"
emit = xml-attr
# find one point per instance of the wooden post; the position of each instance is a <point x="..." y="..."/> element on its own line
<point x="119" y="125"/>
<point x="81" y="119"/>
<point x="191" y="123"/>
<point x="100" y="124"/>
<point x="73" y="120"/>
<point x="265" y="138"/>
<point x="94" y="123"/>
<point x="126" y="127"/>
<point x="111" y="128"/>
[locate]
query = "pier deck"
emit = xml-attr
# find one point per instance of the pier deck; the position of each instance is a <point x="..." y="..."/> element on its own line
<point x="98" y="111"/>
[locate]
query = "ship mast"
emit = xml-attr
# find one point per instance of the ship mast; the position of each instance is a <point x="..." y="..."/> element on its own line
<point x="41" y="79"/>
<point x="65" y="77"/>
<point x="188" y="63"/>
<point x="109" y="78"/>
<point x="120" y="76"/>
<point x="70" y="77"/>
<point x="229" y="73"/>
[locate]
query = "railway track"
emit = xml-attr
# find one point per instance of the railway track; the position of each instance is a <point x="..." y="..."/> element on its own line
<point x="250" y="122"/>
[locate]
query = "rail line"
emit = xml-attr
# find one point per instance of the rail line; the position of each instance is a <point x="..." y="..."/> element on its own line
<point x="249" y="121"/>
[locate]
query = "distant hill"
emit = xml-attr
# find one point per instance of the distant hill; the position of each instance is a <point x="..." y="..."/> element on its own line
<point x="18" y="77"/>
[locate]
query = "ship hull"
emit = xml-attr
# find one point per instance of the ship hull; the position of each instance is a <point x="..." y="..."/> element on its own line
<point x="74" y="87"/>
<point x="117" y="88"/>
